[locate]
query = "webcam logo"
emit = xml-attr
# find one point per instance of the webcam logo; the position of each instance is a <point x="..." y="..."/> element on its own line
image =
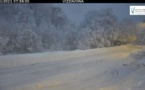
<point x="132" y="10"/>
<point x="137" y="10"/>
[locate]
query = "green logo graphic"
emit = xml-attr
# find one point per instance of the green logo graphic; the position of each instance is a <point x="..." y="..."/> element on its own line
<point x="132" y="10"/>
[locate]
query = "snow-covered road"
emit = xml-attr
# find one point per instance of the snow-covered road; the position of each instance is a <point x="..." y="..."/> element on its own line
<point x="96" y="69"/>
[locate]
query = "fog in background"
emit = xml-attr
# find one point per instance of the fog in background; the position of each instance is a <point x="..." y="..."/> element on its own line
<point x="76" y="12"/>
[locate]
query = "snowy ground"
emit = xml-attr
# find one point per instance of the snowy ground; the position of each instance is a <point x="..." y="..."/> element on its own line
<point x="97" y="69"/>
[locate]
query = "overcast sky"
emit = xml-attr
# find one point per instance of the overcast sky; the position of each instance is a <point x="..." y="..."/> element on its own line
<point x="76" y="12"/>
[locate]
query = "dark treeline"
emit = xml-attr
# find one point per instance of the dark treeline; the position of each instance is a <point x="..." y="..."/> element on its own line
<point x="26" y="28"/>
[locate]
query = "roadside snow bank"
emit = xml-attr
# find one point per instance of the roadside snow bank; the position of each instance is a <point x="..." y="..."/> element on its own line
<point x="142" y="61"/>
<point x="139" y="54"/>
<point x="139" y="57"/>
<point x="9" y="61"/>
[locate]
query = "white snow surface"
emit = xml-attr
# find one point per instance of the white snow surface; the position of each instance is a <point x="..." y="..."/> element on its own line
<point x="110" y="68"/>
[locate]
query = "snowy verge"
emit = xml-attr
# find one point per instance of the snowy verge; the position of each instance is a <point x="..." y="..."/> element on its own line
<point x="139" y="57"/>
<point x="139" y="54"/>
<point x="9" y="61"/>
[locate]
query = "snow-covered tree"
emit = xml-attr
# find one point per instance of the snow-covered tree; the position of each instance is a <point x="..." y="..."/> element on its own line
<point x="3" y="42"/>
<point x="100" y="28"/>
<point x="71" y="38"/>
<point x="141" y="37"/>
<point x="127" y="31"/>
<point x="29" y="41"/>
<point x="35" y="27"/>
